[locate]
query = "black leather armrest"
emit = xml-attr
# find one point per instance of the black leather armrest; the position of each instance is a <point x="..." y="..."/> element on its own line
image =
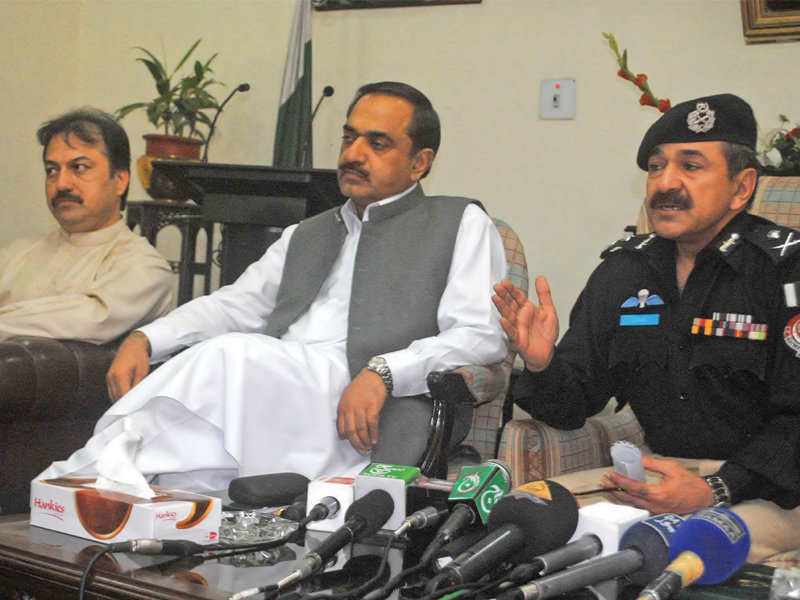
<point x="48" y="380"/>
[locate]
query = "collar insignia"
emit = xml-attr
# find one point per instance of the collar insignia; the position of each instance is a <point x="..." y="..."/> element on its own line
<point x="702" y="119"/>
<point x="643" y="299"/>
<point x="646" y="241"/>
<point x="729" y="244"/>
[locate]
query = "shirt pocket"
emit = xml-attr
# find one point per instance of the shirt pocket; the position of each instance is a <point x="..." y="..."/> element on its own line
<point x="730" y="356"/>
<point x="637" y="346"/>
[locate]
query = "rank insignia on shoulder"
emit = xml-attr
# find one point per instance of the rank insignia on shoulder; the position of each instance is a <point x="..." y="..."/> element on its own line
<point x="791" y="291"/>
<point x="730" y="325"/>
<point x="777" y="241"/>
<point x="791" y="334"/>
<point x="629" y="242"/>
<point x="642" y="299"/>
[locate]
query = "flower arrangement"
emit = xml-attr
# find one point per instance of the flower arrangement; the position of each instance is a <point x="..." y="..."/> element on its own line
<point x="640" y="81"/>
<point x="779" y="149"/>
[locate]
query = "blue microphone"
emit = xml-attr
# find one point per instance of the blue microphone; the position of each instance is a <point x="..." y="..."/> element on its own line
<point x="706" y="549"/>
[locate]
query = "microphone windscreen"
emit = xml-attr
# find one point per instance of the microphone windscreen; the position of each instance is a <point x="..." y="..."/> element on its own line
<point x="546" y="511"/>
<point x="272" y="489"/>
<point x="327" y="91"/>
<point x="651" y="537"/>
<point x="719" y="537"/>
<point x="243" y="87"/>
<point x="374" y="509"/>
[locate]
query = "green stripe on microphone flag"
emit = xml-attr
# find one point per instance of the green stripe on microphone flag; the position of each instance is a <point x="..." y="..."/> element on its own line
<point x="294" y="114"/>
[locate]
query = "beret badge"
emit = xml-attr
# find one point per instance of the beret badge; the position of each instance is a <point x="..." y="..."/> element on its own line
<point x="701" y="120"/>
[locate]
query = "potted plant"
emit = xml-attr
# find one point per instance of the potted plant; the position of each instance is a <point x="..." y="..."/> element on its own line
<point x="179" y="111"/>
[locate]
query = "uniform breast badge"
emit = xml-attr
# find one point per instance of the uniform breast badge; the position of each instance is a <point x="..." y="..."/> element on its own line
<point x="730" y="325"/>
<point x="791" y="334"/>
<point x="642" y="300"/>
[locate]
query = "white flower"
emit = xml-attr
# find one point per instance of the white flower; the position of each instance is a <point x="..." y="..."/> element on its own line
<point x="771" y="158"/>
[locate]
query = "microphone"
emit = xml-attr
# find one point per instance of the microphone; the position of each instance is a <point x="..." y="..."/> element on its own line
<point x="327" y="508"/>
<point x="644" y="554"/>
<point x="534" y="518"/>
<point x="154" y="546"/>
<point x="706" y="549"/>
<point x="272" y="489"/>
<point x="242" y="87"/>
<point x="297" y="509"/>
<point x="427" y="517"/>
<point x="475" y="492"/>
<point x="584" y="548"/>
<point x="327" y="92"/>
<point x="366" y="515"/>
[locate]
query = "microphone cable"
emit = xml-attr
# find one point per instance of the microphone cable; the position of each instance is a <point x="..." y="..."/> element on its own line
<point x="85" y="577"/>
<point x="187" y="549"/>
<point x="367" y="585"/>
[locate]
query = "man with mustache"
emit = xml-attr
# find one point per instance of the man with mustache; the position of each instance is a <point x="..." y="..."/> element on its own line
<point x="92" y="279"/>
<point x="292" y="367"/>
<point x="695" y="326"/>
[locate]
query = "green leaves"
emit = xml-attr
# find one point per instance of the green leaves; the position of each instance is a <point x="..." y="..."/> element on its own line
<point x="179" y="107"/>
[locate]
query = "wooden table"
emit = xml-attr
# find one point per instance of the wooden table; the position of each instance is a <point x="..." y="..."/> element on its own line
<point x="45" y="564"/>
<point x="40" y="564"/>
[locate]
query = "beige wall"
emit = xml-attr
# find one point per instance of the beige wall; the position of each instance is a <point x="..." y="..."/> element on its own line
<point x="568" y="187"/>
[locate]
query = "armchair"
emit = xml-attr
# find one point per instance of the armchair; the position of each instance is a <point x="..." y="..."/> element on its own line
<point x="52" y="392"/>
<point x="465" y="416"/>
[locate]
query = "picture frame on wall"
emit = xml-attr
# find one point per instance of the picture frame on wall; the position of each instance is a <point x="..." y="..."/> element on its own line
<point x="348" y="4"/>
<point x="770" y="21"/>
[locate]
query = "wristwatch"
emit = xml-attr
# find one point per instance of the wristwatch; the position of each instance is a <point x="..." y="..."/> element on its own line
<point x="722" y="494"/>
<point x="379" y="365"/>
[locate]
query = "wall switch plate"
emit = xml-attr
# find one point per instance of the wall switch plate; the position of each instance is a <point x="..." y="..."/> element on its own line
<point x="557" y="99"/>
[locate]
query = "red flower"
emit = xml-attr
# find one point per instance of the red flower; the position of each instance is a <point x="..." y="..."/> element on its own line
<point x="646" y="100"/>
<point x="795" y="132"/>
<point x="664" y="105"/>
<point x="641" y="78"/>
<point x="624" y="75"/>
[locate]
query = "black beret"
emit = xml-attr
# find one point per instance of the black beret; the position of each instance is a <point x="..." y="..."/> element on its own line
<point x="720" y="118"/>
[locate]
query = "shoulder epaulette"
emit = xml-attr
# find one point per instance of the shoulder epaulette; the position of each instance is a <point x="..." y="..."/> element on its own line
<point x="632" y="243"/>
<point x="777" y="241"/>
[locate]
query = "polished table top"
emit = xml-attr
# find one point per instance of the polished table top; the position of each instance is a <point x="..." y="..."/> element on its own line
<point x="46" y="563"/>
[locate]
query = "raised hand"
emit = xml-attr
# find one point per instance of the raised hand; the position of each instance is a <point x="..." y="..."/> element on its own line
<point x="533" y="330"/>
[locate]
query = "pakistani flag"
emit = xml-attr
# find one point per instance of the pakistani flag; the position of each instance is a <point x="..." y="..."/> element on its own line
<point x="292" y="133"/>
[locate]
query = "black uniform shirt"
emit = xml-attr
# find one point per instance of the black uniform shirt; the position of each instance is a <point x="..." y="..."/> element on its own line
<point x="695" y="395"/>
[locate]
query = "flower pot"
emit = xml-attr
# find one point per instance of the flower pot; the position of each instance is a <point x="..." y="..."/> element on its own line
<point x="165" y="147"/>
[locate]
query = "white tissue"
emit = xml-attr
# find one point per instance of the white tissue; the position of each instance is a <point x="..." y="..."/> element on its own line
<point x="116" y="467"/>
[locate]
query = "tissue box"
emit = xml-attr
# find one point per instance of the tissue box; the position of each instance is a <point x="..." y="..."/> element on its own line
<point x="68" y="505"/>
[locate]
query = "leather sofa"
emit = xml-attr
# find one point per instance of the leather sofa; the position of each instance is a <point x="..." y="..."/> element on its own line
<point x="52" y="392"/>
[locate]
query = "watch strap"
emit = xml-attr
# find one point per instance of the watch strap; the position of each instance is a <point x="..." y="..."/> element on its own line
<point x="722" y="494"/>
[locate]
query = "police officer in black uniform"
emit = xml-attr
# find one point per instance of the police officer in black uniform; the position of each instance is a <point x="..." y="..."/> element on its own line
<point x="696" y="326"/>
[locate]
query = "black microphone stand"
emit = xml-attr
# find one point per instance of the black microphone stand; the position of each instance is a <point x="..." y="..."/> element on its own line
<point x="242" y="87"/>
<point x="327" y="91"/>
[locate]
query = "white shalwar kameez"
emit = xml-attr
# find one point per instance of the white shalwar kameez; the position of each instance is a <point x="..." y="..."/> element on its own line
<point x="240" y="403"/>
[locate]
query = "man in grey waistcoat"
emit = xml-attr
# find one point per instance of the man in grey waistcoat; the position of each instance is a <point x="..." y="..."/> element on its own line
<point x="290" y="367"/>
